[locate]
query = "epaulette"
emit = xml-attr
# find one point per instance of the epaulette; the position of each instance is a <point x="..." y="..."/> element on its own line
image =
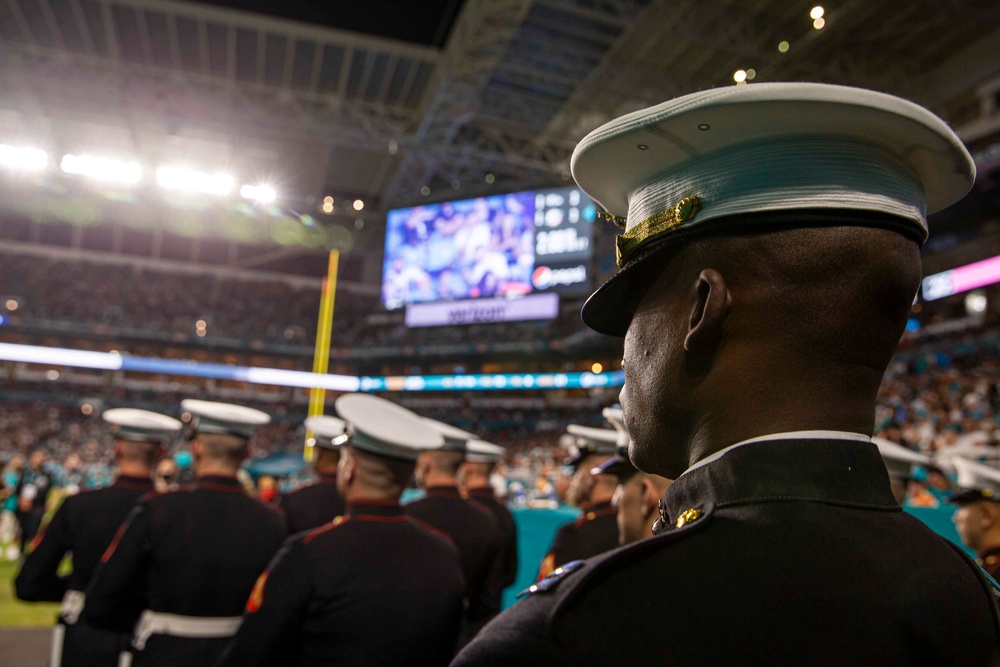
<point x="592" y="569"/>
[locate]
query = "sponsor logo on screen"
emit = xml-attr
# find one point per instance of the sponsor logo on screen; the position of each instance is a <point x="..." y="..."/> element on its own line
<point x="545" y="277"/>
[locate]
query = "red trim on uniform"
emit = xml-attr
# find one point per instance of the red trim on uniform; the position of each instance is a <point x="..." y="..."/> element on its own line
<point x="379" y="519"/>
<point x="39" y="537"/>
<point x="481" y="492"/>
<point x="586" y="515"/>
<point x="134" y="486"/>
<point x="328" y="479"/>
<point x="256" y="598"/>
<point x="114" y="544"/>
<point x="220" y="487"/>
<point x="323" y="529"/>
<point x="431" y="528"/>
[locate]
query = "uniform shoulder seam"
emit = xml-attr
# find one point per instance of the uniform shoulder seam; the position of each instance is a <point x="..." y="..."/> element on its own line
<point x="336" y="523"/>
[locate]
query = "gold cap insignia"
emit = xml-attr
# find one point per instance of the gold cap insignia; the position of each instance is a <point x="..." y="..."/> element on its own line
<point x="658" y="223"/>
<point x="688" y="516"/>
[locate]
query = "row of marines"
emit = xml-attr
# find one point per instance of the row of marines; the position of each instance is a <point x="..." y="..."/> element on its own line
<point x="209" y="575"/>
<point x="158" y="578"/>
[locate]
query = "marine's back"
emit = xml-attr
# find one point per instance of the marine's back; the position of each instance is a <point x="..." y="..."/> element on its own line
<point x="788" y="553"/>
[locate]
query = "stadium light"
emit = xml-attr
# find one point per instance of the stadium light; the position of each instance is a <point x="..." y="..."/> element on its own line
<point x="261" y="193"/>
<point x="101" y="169"/>
<point x="816" y="12"/>
<point x="27" y="159"/>
<point x="174" y="178"/>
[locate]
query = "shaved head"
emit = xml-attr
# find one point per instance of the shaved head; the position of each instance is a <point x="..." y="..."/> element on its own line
<point x="224" y="448"/>
<point x="811" y="314"/>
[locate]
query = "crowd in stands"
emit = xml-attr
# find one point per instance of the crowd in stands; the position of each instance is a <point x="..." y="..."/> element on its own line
<point x="940" y="395"/>
<point x="123" y="298"/>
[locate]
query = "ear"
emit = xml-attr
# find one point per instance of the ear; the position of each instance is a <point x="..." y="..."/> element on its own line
<point x="348" y="465"/>
<point x="708" y="316"/>
<point x="989" y="515"/>
<point x="197" y="449"/>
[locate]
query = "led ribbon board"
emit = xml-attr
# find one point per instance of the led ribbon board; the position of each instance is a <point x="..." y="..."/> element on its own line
<point x="57" y="356"/>
<point x="962" y="279"/>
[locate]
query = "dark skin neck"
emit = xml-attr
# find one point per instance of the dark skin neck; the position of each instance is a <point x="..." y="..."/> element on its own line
<point x="781" y="400"/>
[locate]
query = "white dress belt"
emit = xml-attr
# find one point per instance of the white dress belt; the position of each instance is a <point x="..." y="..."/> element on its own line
<point x="192" y="627"/>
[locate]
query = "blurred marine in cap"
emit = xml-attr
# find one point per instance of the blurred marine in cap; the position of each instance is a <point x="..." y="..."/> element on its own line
<point x="768" y="257"/>
<point x="471" y="526"/>
<point x="977" y="519"/>
<point x="372" y="587"/>
<point x="180" y="569"/>
<point x="596" y="531"/>
<point x="481" y="459"/>
<point x="83" y="527"/>
<point x="319" y="503"/>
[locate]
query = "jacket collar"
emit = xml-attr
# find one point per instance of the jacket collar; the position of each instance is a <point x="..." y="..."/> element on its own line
<point x="835" y="471"/>
<point x="443" y="491"/>
<point x="481" y="492"/>
<point x="328" y="478"/>
<point x="219" y="483"/>
<point x="134" y="483"/>
<point x="375" y="508"/>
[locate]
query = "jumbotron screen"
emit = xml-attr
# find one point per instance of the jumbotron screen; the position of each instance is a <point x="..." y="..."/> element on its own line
<point x="489" y="247"/>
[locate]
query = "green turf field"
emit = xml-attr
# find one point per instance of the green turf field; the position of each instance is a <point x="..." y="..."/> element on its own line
<point x="16" y="614"/>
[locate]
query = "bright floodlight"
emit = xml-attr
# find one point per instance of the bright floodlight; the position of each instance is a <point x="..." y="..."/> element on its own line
<point x="739" y="76"/>
<point x="816" y="12"/>
<point x="261" y="193"/>
<point x="28" y="159"/>
<point x="187" y="180"/>
<point x="819" y="23"/>
<point x="358" y="204"/>
<point x="101" y="169"/>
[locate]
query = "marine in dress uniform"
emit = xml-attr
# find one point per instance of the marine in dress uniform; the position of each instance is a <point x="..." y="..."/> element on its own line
<point x="768" y="260"/>
<point x="319" y="503"/>
<point x="638" y="495"/>
<point x="179" y="571"/>
<point x="470" y="525"/>
<point x="374" y="587"/>
<point x="978" y="517"/>
<point x="481" y="459"/>
<point x="596" y="531"/>
<point x="84" y="526"/>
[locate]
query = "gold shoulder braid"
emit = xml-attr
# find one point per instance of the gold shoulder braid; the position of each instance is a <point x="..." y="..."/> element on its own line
<point x="655" y="225"/>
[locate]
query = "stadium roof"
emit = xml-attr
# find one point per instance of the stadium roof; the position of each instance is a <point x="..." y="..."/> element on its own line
<point x="382" y="102"/>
